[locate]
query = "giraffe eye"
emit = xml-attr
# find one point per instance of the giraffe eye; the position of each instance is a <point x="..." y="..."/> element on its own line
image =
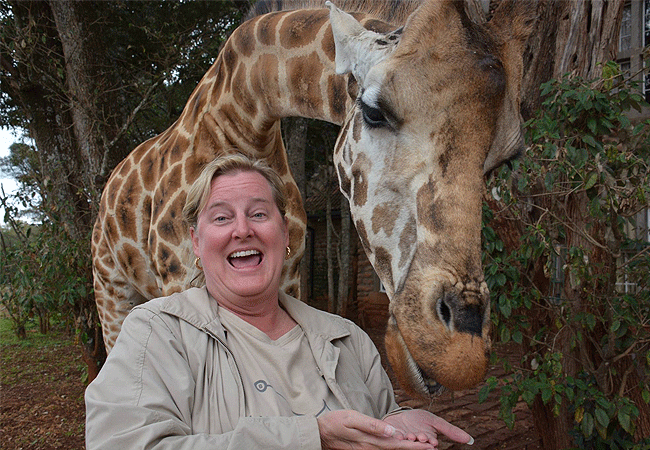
<point x="373" y="117"/>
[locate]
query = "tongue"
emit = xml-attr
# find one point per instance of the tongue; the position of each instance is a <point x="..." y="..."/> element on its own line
<point x="246" y="261"/>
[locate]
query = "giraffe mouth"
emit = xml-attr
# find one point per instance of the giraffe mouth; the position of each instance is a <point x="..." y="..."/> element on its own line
<point x="428" y="385"/>
<point x="245" y="258"/>
<point x="410" y="375"/>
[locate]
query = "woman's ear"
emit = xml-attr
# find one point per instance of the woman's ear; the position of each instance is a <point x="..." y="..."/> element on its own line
<point x="286" y="231"/>
<point x="195" y="241"/>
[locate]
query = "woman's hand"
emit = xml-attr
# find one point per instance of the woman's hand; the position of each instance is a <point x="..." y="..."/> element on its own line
<point x="422" y="426"/>
<point x="347" y="429"/>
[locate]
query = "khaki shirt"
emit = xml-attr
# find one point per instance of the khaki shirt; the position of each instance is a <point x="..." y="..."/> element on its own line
<point x="171" y="381"/>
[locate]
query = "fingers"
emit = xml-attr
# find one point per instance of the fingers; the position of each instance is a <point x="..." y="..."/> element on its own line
<point x="452" y="431"/>
<point x="424" y="426"/>
<point x="431" y="438"/>
<point x="351" y="429"/>
<point x="372" y="426"/>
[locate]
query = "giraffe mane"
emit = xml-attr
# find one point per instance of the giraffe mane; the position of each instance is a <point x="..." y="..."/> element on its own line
<point x="391" y="11"/>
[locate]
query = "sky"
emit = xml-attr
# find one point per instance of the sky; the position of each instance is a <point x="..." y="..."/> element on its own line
<point x="7" y="137"/>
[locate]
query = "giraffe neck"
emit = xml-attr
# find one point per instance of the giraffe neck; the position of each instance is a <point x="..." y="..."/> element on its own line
<point x="273" y="66"/>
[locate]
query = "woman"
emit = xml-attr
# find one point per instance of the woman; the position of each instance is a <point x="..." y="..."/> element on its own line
<point x="238" y="364"/>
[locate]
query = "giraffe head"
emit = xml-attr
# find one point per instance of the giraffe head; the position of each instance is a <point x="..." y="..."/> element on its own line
<point x="437" y="107"/>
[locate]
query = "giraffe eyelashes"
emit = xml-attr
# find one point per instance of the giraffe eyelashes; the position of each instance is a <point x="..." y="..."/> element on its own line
<point x="373" y="117"/>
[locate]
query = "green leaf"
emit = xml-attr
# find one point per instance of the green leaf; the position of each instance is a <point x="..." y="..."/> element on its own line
<point x="589" y="140"/>
<point x="592" y="125"/>
<point x="591" y="179"/>
<point x="587" y="425"/>
<point x="505" y="334"/>
<point x="602" y="417"/>
<point x="483" y="393"/>
<point x="528" y="397"/>
<point x="624" y="420"/>
<point x="505" y="308"/>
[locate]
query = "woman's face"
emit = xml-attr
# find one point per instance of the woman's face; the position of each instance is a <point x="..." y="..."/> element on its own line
<point x="241" y="238"/>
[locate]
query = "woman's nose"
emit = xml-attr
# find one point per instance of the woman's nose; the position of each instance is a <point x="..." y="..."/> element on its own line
<point x="242" y="227"/>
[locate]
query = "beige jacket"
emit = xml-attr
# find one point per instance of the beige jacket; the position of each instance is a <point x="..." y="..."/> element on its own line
<point x="171" y="382"/>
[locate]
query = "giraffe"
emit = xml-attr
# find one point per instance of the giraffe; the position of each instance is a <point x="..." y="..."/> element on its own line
<point x="428" y="102"/>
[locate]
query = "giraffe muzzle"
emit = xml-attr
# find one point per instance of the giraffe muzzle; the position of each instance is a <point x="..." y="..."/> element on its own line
<point x="444" y="347"/>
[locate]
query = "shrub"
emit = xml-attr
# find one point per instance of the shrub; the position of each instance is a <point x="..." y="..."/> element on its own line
<point x="569" y="271"/>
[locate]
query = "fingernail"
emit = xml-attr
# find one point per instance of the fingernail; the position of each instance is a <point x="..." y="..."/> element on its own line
<point x="471" y="441"/>
<point x="389" y="430"/>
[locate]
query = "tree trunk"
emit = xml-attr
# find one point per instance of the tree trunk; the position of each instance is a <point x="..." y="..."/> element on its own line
<point x="71" y="18"/>
<point x="352" y="311"/>
<point x="344" y="264"/>
<point x="569" y="36"/>
<point x="331" y="294"/>
<point x="295" y="132"/>
<point x="43" y="321"/>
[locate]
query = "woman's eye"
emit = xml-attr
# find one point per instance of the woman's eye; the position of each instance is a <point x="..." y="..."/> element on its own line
<point x="373" y="117"/>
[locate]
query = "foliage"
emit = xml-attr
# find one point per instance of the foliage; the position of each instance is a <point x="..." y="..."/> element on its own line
<point x="43" y="273"/>
<point x="568" y="275"/>
<point x="143" y="64"/>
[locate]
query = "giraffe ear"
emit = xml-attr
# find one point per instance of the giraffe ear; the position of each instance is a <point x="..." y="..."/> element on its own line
<point x="357" y="49"/>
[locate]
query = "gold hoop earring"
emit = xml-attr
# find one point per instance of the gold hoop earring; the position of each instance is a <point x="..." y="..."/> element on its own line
<point x="288" y="253"/>
<point x="197" y="263"/>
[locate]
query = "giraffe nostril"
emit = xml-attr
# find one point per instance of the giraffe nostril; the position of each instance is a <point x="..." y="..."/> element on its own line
<point x="470" y="319"/>
<point x="444" y="312"/>
<point x="459" y="315"/>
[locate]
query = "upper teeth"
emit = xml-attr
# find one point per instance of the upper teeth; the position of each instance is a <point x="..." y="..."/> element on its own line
<point x="244" y="253"/>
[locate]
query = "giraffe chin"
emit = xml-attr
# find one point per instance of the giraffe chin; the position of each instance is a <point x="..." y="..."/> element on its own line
<point x="451" y="373"/>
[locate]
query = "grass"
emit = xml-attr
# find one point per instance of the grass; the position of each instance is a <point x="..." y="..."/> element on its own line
<point x="25" y="360"/>
<point x="42" y="380"/>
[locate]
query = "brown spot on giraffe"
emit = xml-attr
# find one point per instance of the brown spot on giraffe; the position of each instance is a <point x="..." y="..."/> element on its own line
<point x="265" y="78"/>
<point x="241" y="94"/>
<point x="306" y="95"/>
<point x="407" y="239"/>
<point x="336" y="85"/>
<point x="383" y="265"/>
<point x="358" y="126"/>
<point x="360" y="169"/>
<point x="148" y="173"/>
<point x="245" y="41"/>
<point x="302" y="29"/>
<point x="384" y="217"/>
<point x="266" y="28"/>
<point x="433" y="210"/>
<point x="363" y="236"/>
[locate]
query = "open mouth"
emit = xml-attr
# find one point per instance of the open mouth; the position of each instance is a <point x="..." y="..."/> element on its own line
<point x="411" y="376"/>
<point x="428" y="385"/>
<point x="245" y="258"/>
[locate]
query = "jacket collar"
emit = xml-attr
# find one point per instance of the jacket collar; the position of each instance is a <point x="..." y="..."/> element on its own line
<point x="312" y="320"/>
<point x="197" y="308"/>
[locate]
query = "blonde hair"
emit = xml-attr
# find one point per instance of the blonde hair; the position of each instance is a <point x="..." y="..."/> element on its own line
<point x="199" y="193"/>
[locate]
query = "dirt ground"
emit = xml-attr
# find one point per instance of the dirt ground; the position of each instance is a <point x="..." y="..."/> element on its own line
<point x="41" y="403"/>
<point x="41" y="397"/>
